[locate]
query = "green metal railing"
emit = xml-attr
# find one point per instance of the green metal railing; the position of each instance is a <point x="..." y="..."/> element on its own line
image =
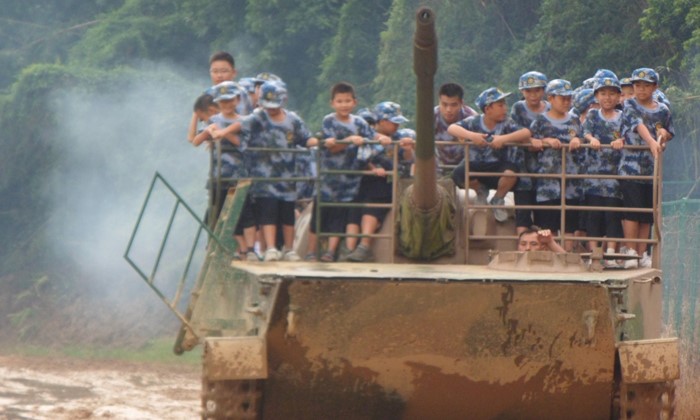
<point x="179" y="205"/>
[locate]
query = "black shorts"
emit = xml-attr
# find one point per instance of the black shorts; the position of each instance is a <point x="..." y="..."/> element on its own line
<point x="247" y="217"/>
<point x="637" y="195"/>
<point x="523" y="218"/>
<point x="491" y="182"/>
<point x="601" y="223"/>
<point x="333" y="219"/>
<point x="373" y="189"/>
<point x="272" y="211"/>
<point x="551" y="219"/>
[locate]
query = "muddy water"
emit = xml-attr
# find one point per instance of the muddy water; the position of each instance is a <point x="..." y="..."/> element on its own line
<point x="40" y="388"/>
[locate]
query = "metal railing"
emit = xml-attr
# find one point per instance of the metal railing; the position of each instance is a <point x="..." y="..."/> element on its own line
<point x="563" y="207"/>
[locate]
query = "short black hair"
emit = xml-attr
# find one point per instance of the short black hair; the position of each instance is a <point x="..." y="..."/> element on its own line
<point x="222" y="56"/>
<point x="204" y="102"/>
<point x="342" y="87"/>
<point x="451" y="90"/>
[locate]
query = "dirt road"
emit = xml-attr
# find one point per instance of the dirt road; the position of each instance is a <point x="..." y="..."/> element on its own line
<point x="46" y="388"/>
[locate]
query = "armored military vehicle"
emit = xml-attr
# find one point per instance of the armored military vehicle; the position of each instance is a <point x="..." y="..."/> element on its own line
<point x="448" y="322"/>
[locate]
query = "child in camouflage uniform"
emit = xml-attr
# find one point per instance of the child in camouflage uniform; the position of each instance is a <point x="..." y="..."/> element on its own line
<point x="645" y="122"/>
<point x="555" y="128"/>
<point x="339" y="125"/>
<point x="603" y="126"/>
<point x="523" y="112"/>
<point x="489" y="132"/>
<point x="378" y="188"/>
<point x="272" y="126"/>
<point x="451" y="109"/>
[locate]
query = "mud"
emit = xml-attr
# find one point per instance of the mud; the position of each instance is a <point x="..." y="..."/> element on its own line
<point x="57" y="388"/>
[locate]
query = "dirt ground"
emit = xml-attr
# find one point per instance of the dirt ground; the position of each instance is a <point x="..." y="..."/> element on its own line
<point x="60" y="388"/>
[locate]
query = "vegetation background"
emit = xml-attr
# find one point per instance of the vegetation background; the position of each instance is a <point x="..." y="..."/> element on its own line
<point x="96" y="95"/>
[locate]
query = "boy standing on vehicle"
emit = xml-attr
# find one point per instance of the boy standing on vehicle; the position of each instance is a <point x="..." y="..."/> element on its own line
<point x="342" y="124"/>
<point x="273" y="126"/>
<point x="451" y="109"/>
<point x="603" y="126"/>
<point x="524" y="112"/>
<point x="646" y="122"/>
<point x="555" y="128"/>
<point x="489" y="132"/>
<point x="378" y="188"/>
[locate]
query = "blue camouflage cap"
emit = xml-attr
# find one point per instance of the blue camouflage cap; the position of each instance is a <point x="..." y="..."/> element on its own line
<point x="600" y="73"/>
<point x="602" y="82"/>
<point x="247" y="83"/>
<point x="389" y="111"/>
<point x="263" y="77"/>
<point x="273" y="94"/>
<point x="559" y="87"/>
<point x="226" y="91"/>
<point x="531" y="80"/>
<point x="490" y="96"/>
<point x="645" y="74"/>
<point x="588" y="83"/>
<point x="583" y="100"/>
<point x="659" y="96"/>
<point x="367" y="115"/>
<point x="625" y="81"/>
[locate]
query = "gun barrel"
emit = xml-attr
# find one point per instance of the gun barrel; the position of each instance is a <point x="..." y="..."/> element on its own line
<point x="425" y="66"/>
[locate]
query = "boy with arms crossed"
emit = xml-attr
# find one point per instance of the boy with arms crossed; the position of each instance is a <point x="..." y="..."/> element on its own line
<point x="489" y="132"/>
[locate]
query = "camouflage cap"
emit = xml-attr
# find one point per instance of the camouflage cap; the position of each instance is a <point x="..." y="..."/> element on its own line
<point x="389" y="111"/>
<point x="273" y="94"/>
<point x="583" y="100"/>
<point x="367" y="115"/>
<point x="490" y="96"/>
<point x="247" y="83"/>
<point x="645" y="74"/>
<point x="559" y="87"/>
<point x="263" y="77"/>
<point x="600" y="73"/>
<point x="625" y="81"/>
<point x="531" y="80"/>
<point x="226" y="91"/>
<point x="602" y="82"/>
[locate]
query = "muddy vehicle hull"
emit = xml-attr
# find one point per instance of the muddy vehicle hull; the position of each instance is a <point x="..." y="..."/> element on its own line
<point x="419" y="341"/>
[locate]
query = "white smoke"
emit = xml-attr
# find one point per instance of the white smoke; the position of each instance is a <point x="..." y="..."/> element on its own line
<point x="110" y="145"/>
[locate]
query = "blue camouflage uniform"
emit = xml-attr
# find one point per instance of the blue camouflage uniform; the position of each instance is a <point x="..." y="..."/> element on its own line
<point x="260" y="131"/>
<point x="343" y="188"/>
<point x="641" y="162"/>
<point x="550" y="159"/>
<point x="525" y="160"/>
<point x="232" y="162"/>
<point x="606" y="160"/>
<point x="487" y="154"/>
<point x="384" y="155"/>
<point x="448" y="154"/>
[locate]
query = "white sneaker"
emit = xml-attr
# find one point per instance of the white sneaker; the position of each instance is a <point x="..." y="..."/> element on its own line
<point x="611" y="264"/>
<point x="290" y="256"/>
<point x="645" y="262"/>
<point x="632" y="262"/>
<point x="272" y="254"/>
<point x="501" y="215"/>
<point x="251" y="256"/>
